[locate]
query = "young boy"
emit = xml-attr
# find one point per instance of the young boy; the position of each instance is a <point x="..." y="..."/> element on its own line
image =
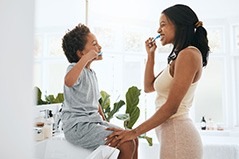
<point x="82" y="116"/>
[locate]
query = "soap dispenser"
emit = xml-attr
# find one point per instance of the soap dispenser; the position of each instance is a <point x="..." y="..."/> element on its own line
<point x="51" y="120"/>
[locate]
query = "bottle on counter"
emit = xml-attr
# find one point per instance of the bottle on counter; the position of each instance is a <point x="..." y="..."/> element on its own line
<point x="38" y="133"/>
<point x="51" y="119"/>
<point x="48" y="125"/>
<point x="210" y="124"/>
<point x="203" y="123"/>
<point x="38" y="127"/>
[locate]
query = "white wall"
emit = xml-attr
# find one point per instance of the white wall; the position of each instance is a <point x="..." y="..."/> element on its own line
<point x="16" y="45"/>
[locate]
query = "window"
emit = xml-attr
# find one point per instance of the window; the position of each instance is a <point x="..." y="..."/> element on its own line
<point x="50" y="25"/>
<point x="210" y="94"/>
<point x="235" y="71"/>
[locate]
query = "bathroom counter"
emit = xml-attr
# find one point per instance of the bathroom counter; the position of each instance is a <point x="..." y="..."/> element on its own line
<point x="58" y="147"/>
<point x="214" y="147"/>
<point x="220" y="145"/>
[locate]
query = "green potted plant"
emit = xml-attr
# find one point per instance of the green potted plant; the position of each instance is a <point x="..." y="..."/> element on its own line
<point x="49" y="99"/>
<point x="132" y="110"/>
<point x="50" y="102"/>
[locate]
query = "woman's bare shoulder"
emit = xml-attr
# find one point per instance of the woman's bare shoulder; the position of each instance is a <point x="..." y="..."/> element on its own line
<point x="190" y="52"/>
<point x="190" y="56"/>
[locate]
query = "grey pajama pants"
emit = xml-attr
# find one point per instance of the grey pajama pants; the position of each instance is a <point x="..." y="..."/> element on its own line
<point x="89" y="135"/>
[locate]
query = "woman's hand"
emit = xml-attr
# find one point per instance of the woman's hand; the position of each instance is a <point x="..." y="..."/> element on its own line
<point x="120" y="136"/>
<point x="150" y="46"/>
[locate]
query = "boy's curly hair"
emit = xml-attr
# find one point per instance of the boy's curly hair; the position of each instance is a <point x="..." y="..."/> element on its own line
<point x="75" y="40"/>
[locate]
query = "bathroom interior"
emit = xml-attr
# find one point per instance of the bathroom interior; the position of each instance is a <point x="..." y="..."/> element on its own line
<point x="121" y="27"/>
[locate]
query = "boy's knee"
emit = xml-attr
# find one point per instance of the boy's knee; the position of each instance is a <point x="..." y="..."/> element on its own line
<point x="128" y="145"/>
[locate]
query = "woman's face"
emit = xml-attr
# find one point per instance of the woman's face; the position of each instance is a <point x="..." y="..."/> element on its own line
<point x="92" y="44"/>
<point x="166" y="30"/>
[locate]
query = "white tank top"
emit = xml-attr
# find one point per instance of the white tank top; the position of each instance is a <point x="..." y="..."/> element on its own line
<point x="162" y="86"/>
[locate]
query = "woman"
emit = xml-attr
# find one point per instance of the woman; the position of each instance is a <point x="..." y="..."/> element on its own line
<point x="82" y="116"/>
<point x="175" y="85"/>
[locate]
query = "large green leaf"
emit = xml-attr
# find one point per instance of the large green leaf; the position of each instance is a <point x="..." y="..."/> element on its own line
<point x="149" y="139"/>
<point x="105" y="100"/>
<point x="116" y="108"/>
<point x="134" y="115"/>
<point x="132" y="99"/>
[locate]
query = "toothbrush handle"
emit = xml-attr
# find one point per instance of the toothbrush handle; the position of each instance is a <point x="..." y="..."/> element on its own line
<point x="156" y="38"/>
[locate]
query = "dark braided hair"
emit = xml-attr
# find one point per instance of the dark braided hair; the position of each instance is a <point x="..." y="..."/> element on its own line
<point x="75" y="40"/>
<point x="186" y="31"/>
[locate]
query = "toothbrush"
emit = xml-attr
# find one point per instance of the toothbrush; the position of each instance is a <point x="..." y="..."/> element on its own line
<point x="100" y="53"/>
<point x="156" y="38"/>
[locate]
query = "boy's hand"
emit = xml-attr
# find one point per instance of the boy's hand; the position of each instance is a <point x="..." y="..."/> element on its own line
<point x="91" y="55"/>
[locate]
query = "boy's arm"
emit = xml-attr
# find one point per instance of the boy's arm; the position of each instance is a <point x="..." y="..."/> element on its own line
<point x="101" y="112"/>
<point x="72" y="76"/>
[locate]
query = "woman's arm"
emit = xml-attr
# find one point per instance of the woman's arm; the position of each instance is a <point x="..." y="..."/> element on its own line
<point x="149" y="76"/>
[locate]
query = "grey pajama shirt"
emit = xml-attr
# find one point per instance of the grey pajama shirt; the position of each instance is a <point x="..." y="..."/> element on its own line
<point x="82" y="124"/>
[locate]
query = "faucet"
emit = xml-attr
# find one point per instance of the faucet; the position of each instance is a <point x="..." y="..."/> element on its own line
<point x="57" y="121"/>
<point x="56" y="125"/>
<point x="46" y="113"/>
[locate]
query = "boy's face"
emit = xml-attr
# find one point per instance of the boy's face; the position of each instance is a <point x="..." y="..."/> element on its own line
<point x="92" y="44"/>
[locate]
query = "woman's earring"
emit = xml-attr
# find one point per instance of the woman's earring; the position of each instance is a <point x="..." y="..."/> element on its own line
<point x="173" y="56"/>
